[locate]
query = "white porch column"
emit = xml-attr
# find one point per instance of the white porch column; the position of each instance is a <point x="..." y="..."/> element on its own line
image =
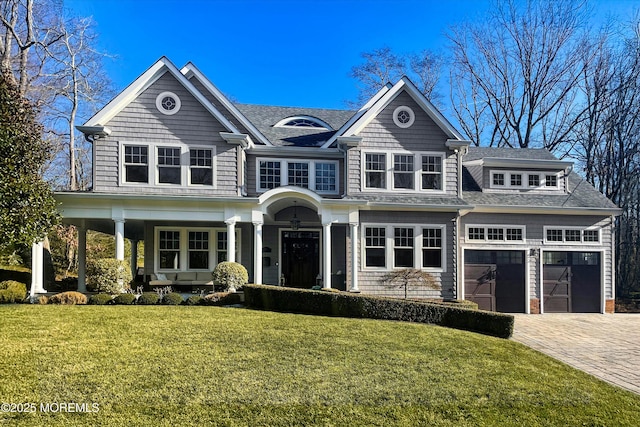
<point x="257" y="253"/>
<point x="119" y="239"/>
<point x="134" y="257"/>
<point x="82" y="259"/>
<point x="37" y="269"/>
<point x="354" y="257"/>
<point x="231" y="240"/>
<point x="326" y="249"/>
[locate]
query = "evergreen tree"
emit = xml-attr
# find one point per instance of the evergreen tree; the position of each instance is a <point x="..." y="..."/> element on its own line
<point x="27" y="207"/>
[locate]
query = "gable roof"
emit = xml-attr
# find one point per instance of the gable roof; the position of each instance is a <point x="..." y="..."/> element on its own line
<point x="190" y="70"/>
<point x="143" y="82"/>
<point x="382" y="100"/>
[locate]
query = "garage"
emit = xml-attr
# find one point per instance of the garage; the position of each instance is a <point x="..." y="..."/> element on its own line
<point x="495" y="280"/>
<point x="572" y="282"/>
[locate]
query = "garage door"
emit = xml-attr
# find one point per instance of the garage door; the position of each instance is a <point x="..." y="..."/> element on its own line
<point x="495" y="280"/>
<point x="572" y="282"/>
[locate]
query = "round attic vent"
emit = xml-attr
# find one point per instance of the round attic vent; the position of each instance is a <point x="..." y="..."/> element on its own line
<point x="168" y="103"/>
<point x="403" y="116"/>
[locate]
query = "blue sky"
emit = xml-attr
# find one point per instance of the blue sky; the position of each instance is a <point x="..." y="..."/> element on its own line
<point x="280" y="52"/>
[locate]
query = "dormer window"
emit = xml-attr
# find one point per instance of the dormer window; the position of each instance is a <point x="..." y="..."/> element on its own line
<point x="524" y="180"/>
<point x="303" y="122"/>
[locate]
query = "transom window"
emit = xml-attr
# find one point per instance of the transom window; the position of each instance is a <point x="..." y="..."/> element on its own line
<point x="136" y="163"/>
<point x="320" y="176"/>
<point x="403" y="171"/>
<point x="571" y="235"/>
<point x="495" y="233"/>
<point x="389" y="246"/>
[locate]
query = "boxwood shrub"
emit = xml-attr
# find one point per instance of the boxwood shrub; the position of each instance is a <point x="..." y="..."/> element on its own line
<point x="149" y="298"/>
<point x="363" y="306"/>
<point x="124" y="299"/>
<point x="100" y="299"/>
<point x="68" y="298"/>
<point x="106" y="274"/>
<point x="172" y="298"/>
<point x="12" y="291"/>
<point x="194" y="300"/>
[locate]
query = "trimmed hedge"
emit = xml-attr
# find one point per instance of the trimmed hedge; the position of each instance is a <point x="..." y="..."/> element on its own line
<point x="68" y="298"/>
<point x="124" y="299"/>
<point x="12" y="291"/>
<point x="100" y="299"/>
<point x="345" y="304"/>
<point x="194" y="300"/>
<point x="104" y="275"/>
<point x="172" y="298"/>
<point x="149" y="298"/>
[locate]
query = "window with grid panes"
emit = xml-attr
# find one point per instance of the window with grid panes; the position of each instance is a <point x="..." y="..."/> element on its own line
<point x="169" y="244"/>
<point x="198" y="250"/>
<point x="136" y="163"/>
<point x="201" y="166"/>
<point x="269" y="174"/>
<point x="403" y="247"/>
<point x="375" y="170"/>
<point x="298" y="173"/>
<point x="403" y="171"/>
<point x="169" y="170"/>
<point x="374" y="246"/>
<point x="431" y="172"/>
<point x="432" y="247"/>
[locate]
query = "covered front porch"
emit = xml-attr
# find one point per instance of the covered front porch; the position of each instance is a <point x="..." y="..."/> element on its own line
<point x="288" y="236"/>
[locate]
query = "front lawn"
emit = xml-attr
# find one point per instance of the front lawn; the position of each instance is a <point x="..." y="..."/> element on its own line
<point x="147" y="365"/>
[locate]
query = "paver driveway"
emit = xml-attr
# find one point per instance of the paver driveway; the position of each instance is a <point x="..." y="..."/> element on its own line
<point x="604" y="345"/>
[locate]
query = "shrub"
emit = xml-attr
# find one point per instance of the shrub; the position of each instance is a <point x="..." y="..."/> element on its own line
<point x="68" y="298"/>
<point x="100" y="299"/>
<point x="221" y="298"/>
<point x="12" y="291"/>
<point x="231" y="276"/>
<point x="172" y="298"/>
<point x="124" y="299"/>
<point x="194" y="300"/>
<point x="148" y="298"/>
<point x="106" y="274"/>
<point x="42" y="300"/>
<point x="362" y="306"/>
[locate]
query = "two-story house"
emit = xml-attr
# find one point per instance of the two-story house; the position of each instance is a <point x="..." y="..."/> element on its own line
<point x="305" y="196"/>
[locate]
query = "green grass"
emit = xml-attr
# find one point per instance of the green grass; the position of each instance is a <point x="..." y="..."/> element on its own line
<point x="172" y="366"/>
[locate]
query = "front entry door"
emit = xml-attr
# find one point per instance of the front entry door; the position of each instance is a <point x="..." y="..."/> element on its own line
<point x="300" y="258"/>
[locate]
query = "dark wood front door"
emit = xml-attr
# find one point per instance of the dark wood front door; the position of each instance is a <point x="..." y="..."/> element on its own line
<point x="300" y="258"/>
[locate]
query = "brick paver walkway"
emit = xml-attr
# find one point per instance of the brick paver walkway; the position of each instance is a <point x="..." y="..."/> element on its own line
<point x="606" y="346"/>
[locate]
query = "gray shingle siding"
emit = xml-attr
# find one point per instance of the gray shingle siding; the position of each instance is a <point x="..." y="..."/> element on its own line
<point x="141" y="122"/>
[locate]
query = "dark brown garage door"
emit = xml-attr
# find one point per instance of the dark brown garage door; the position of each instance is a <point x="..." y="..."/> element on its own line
<point x="495" y="280"/>
<point x="572" y="282"/>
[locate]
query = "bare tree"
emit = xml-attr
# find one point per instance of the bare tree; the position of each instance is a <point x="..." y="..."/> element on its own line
<point x="410" y="276"/>
<point x="522" y="66"/>
<point x="383" y="66"/>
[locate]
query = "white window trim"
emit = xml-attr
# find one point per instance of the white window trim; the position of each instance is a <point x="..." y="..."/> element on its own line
<point x="390" y="245"/>
<point x="582" y="242"/>
<point x="160" y="108"/>
<point x="185" y="172"/>
<point x="504" y="233"/>
<point x="184" y="247"/>
<point x="284" y="173"/>
<point x="525" y="180"/>
<point x="417" y="171"/>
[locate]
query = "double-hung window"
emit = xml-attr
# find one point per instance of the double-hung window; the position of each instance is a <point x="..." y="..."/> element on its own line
<point x="375" y="246"/>
<point x="403" y="171"/>
<point x="298" y="174"/>
<point x="403" y="247"/>
<point x="136" y="163"/>
<point x="201" y="166"/>
<point x="375" y="170"/>
<point x="198" y="250"/>
<point x="318" y="175"/>
<point x="269" y="174"/>
<point x="169" y="250"/>
<point x="431" y="172"/>
<point x="326" y="177"/>
<point x="432" y="247"/>
<point x="169" y="170"/>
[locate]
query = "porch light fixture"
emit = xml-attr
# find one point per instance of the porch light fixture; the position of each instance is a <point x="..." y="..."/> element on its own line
<point x="295" y="222"/>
